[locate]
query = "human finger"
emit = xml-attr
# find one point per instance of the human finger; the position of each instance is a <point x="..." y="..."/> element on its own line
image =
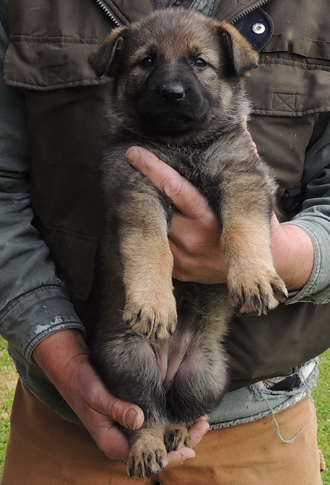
<point x="127" y="414"/>
<point x="196" y="432"/>
<point x="199" y="429"/>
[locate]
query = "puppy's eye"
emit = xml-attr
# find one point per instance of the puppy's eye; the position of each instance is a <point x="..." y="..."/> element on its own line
<point x="200" y="63"/>
<point x="147" y="62"/>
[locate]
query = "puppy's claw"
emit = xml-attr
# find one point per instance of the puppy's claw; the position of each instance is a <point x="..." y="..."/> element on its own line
<point x="158" y="331"/>
<point x="280" y="294"/>
<point x="131" y="468"/>
<point x="149" y="328"/>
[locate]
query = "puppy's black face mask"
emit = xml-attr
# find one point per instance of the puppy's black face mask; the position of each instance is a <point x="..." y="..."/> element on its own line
<point x="172" y="99"/>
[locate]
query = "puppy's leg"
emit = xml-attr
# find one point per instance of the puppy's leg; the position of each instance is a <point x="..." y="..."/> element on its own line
<point x="201" y="380"/>
<point x="127" y="365"/>
<point x="150" y="307"/>
<point x="254" y="286"/>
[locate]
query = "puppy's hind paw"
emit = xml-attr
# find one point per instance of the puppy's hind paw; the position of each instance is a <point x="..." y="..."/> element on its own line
<point x="177" y="437"/>
<point x="145" y="462"/>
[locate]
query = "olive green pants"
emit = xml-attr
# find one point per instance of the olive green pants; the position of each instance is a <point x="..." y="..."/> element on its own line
<point x="45" y="450"/>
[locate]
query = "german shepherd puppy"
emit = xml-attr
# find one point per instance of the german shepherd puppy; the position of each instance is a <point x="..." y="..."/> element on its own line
<point x="177" y="89"/>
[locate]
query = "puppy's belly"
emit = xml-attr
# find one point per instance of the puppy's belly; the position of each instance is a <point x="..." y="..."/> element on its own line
<point x="170" y="354"/>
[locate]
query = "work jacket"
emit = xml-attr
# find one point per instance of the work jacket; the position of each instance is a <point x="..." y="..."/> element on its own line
<point x="290" y="93"/>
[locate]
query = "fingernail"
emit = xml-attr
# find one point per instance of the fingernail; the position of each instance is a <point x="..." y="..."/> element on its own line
<point x="132" y="155"/>
<point x="131" y="419"/>
<point x="190" y="458"/>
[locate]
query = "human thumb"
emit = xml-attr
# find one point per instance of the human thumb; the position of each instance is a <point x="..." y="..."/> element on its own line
<point x="128" y="415"/>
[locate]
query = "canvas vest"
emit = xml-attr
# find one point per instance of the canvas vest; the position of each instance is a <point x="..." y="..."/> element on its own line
<point x="48" y="57"/>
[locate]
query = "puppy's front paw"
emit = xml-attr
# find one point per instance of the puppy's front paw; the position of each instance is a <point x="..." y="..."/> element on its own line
<point x="155" y="316"/>
<point x="177" y="437"/>
<point x="256" y="291"/>
<point x="144" y="461"/>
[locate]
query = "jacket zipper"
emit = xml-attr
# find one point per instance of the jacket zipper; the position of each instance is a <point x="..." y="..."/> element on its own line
<point x="249" y="10"/>
<point x="108" y="12"/>
<point x="241" y="15"/>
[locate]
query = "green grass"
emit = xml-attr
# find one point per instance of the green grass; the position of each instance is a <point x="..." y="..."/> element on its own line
<point x="321" y="395"/>
<point x="322" y="402"/>
<point x="8" y="378"/>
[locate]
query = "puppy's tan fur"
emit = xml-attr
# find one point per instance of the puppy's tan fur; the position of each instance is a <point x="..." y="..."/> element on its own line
<point x="177" y="89"/>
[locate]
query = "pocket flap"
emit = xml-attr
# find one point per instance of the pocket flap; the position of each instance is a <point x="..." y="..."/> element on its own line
<point x="301" y="46"/>
<point x="48" y="64"/>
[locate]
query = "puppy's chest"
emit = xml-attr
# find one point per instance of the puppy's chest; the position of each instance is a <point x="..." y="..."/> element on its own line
<point x="198" y="167"/>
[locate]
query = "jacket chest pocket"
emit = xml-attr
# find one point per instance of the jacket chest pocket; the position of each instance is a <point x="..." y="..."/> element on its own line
<point x="289" y="90"/>
<point x="294" y="74"/>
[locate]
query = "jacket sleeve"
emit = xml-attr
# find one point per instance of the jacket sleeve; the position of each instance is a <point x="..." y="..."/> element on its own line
<point x="314" y="219"/>
<point x="33" y="301"/>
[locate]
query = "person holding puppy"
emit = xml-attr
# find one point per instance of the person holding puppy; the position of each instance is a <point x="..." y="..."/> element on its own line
<point x="265" y="430"/>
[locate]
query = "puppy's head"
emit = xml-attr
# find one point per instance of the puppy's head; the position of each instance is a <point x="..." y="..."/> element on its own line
<point x="176" y="73"/>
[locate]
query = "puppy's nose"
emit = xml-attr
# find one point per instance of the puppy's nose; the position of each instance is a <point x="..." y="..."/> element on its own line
<point x="172" y="93"/>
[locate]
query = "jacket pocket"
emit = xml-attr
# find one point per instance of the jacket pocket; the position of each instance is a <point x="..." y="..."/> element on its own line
<point x="289" y="87"/>
<point x="50" y="43"/>
<point x="293" y="77"/>
<point x="46" y="64"/>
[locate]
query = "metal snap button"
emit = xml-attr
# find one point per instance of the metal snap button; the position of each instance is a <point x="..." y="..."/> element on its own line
<point x="258" y="28"/>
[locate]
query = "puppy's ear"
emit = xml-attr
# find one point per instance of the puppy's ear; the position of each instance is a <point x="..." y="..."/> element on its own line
<point x="102" y="58"/>
<point x="243" y="57"/>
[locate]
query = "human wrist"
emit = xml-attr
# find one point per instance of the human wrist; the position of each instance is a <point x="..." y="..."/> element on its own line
<point x="293" y="254"/>
<point x="58" y="353"/>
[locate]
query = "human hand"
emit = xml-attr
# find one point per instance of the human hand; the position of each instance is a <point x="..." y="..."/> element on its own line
<point x="195" y="231"/>
<point x="64" y="358"/>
